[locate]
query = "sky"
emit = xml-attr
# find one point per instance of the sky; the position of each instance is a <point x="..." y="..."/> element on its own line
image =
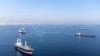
<point x="50" y="11"/>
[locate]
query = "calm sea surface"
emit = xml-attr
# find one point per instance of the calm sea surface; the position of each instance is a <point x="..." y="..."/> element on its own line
<point x="51" y="40"/>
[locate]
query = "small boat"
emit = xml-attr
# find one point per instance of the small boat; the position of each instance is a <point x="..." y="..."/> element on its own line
<point x="84" y="35"/>
<point x="23" y="48"/>
<point x="22" y="31"/>
<point x="77" y="34"/>
<point x="83" y="28"/>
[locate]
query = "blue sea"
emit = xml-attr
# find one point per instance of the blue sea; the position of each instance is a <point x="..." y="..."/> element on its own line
<point x="51" y="40"/>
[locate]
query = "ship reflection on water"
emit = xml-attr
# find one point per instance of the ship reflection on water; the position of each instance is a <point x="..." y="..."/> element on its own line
<point x="18" y="53"/>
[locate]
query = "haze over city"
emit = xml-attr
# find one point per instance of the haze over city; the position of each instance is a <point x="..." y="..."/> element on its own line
<point x="50" y="11"/>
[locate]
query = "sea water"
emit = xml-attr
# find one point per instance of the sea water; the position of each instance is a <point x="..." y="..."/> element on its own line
<point x="51" y="40"/>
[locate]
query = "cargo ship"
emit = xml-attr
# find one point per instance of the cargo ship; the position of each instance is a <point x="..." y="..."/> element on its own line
<point x="84" y="35"/>
<point x="83" y="28"/>
<point x="22" y="31"/>
<point x="23" y="48"/>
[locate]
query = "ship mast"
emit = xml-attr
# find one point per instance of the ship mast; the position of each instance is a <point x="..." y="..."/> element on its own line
<point x="25" y="43"/>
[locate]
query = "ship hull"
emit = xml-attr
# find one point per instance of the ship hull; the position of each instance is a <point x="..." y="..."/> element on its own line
<point x="83" y="35"/>
<point x="23" y="50"/>
<point x="22" y="32"/>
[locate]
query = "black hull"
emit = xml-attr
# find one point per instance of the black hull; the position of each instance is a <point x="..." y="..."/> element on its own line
<point x="22" y="32"/>
<point x="83" y="35"/>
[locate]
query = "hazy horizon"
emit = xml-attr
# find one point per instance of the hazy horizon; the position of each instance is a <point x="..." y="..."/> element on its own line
<point x="50" y="11"/>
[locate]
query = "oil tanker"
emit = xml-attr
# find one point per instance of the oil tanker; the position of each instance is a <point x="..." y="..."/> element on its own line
<point x="84" y="35"/>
